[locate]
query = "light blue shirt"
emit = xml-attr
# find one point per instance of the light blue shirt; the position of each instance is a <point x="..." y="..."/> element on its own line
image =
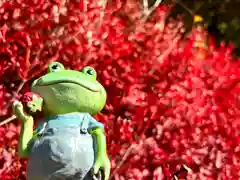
<point x="71" y="119"/>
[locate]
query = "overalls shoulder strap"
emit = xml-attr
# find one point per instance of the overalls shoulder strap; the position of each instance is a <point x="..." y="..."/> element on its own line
<point x="40" y="128"/>
<point x="84" y="124"/>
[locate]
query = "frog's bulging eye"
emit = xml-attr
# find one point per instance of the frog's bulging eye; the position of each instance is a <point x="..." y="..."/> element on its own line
<point x="55" y="66"/>
<point x="90" y="71"/>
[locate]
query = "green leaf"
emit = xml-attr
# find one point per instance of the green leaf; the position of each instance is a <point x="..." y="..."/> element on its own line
<point x="223" y="27"/>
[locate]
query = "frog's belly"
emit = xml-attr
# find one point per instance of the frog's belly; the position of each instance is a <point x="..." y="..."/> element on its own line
<point x="61" y="154"/>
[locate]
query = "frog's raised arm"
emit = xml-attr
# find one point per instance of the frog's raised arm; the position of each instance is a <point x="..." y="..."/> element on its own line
<point x="66" y="91"/>
<point x="34" y="103"/>
<point x="26" y="130"/>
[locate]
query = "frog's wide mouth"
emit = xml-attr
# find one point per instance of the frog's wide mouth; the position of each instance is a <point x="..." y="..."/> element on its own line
<point x="94" y="87"/>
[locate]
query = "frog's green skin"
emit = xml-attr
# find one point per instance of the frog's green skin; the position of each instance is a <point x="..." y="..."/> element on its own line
<point x="66" y="91"/>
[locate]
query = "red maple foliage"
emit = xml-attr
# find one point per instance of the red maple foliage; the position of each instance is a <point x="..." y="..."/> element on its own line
<point x="171" y="102"/>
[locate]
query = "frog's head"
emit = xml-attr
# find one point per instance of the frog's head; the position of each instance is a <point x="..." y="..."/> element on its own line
<point x="66" y="91"/>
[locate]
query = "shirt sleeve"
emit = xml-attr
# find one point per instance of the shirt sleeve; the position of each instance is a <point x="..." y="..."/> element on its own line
<point x="93" y="124"/>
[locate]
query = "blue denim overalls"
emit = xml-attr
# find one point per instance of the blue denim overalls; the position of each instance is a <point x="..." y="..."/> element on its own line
<point x="64" y="150"/>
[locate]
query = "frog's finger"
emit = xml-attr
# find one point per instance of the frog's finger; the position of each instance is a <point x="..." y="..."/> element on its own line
<point x="97" y="167"/>
<point x="17" y="105"/>
<point x="17" y="108"/>
<point x="106" y="173"/>
<point x="16" y="102"/>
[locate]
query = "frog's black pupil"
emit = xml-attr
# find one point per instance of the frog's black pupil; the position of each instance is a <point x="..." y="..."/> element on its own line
<point x="54" y="67"/>
<point x="90" y="71"/>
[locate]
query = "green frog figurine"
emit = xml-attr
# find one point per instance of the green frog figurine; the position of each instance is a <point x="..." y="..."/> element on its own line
<point x="68" y="144"/>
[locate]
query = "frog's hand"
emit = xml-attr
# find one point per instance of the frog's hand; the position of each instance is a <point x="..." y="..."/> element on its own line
<point x="102" y="167"/>
<point x="102" y="160"/>
<point x="99" y="176"/>
<point x="18" y="110"/>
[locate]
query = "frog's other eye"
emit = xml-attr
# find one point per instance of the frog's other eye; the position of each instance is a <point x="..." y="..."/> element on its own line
<point x="55" y="66"/>
<point x="90" y="71"/>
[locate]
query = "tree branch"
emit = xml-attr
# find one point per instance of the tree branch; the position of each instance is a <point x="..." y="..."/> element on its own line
<point x="147" y="11"/>
<point x="13" y="117"/>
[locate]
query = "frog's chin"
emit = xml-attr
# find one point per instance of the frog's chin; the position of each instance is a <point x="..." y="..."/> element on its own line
<point x="94" y="87"/>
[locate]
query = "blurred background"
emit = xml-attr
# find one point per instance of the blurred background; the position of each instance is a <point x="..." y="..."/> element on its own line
<point x="170" y="68"/>
<point x="221" y="17"/>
